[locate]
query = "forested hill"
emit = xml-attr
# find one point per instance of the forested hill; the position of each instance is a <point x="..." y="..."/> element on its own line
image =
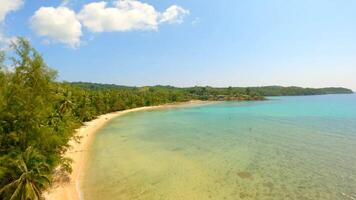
<point x="38" y="115"/>
<point x="228" y="93"/>
<point x="295" y="91"/>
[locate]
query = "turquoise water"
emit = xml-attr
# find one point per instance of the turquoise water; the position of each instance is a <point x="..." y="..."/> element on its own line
<point x="285" y="148"/>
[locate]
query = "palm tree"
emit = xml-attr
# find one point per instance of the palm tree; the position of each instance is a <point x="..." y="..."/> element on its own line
<point x="31" y="178"/>
<point x="65" y="104"/>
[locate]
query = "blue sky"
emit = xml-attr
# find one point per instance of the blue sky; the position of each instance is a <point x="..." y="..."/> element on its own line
<point x="225" y="43"/>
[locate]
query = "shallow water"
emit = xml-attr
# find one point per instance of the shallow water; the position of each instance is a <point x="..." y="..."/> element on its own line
<point x="285" y="148"/>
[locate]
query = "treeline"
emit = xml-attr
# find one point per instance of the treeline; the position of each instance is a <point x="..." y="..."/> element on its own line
<point x="294" y="91"/>
<point x="175" y="93"/>
<point x="37" y="119"/>
<point x="257" y="93"/>
<point x="38" y="116"/>
<point x="211" y="93"/>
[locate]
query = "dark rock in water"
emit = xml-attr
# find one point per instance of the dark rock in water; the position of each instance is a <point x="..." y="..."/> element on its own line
<point x="269" y="185"/>
<point x="244" y="195"/>
<point x="245" y="175"/>
<point x="177" y="149"/>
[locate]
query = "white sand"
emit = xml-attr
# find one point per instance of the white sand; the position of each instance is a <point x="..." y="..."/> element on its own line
<point x="79" y="152"/>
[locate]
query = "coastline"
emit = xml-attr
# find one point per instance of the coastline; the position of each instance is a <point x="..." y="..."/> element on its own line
<point x="79" y="151"/>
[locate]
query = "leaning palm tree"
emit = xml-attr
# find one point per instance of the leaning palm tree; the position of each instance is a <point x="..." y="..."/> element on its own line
<point x="30" y="180"/>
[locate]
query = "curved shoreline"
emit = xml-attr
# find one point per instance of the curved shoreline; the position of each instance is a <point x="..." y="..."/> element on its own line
<point x="79" y="151"/>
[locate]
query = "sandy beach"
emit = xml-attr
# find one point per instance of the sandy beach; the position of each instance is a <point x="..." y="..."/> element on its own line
<point x="78" y="152"/>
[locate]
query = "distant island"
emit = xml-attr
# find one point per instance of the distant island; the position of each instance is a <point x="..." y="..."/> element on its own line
<point x="39" y="115"/>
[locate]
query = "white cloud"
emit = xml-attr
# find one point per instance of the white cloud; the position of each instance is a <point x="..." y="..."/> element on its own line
<point x="59" y="24"/>
<point x="7" y="6"/>
<point x="173" y="14"/>
<point x="62" y="24"/>
<point x="64" y="3"/>
<point x="68" y="3"/>
<point x="127" y="15"/>
<point x="5" y="41"/>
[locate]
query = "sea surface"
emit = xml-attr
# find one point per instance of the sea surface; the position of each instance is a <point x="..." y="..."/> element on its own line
<point x="285" y="148"/>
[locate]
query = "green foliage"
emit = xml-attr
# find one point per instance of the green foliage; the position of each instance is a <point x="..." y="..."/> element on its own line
<point x="38" y="115"/>
<point x="30" y="104"/>
<point x="293" y="91"/>
<point x="33" y="177"/>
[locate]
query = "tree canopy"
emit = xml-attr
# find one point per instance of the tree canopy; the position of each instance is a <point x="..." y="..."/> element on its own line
<point x="38" y="115"/>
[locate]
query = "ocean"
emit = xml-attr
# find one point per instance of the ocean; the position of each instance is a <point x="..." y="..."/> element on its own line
<point x="300" y="147"/>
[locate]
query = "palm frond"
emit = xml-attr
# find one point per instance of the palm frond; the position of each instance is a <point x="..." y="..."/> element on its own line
<point x="18" y="190"/>
<point x="8" y="187"/>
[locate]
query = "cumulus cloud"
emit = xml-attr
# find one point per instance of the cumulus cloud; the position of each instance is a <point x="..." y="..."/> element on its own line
<point x="173" y="14"/>
<point x="7" y="6"/>
<point x="127" y="15"/>
<point x="124" y="16"/>
<point x="59" y="24"/>
<point x="64" y="25"/>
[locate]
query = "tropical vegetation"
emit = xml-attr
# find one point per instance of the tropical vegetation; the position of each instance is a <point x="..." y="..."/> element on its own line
<point x="38" y="115"/>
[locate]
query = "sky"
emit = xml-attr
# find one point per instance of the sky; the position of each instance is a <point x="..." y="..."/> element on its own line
<point x="308" y="43"/>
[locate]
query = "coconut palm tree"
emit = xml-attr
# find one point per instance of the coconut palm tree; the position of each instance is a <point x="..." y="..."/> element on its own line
<point x="30" y="180"/>
<point x="65" y="104"/>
